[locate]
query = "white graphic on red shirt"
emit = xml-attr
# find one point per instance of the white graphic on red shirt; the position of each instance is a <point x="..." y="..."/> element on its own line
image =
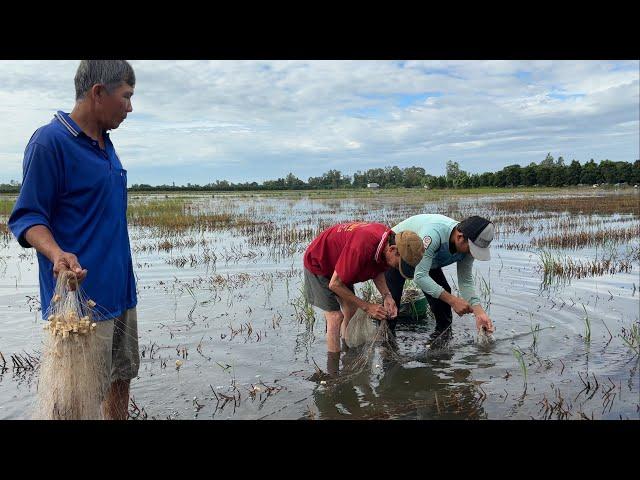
<point x="426" y="241"/>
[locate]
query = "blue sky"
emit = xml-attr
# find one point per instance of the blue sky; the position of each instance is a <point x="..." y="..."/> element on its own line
<point x="200" y="121"/>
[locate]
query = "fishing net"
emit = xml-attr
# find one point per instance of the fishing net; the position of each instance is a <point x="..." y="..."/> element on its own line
<point x="373" y="342"/>
<point x="371" y="346"/>
<point x="382" y="343"/>
<point x="360" y="329"/>
<point x="484" y="338"/>
<point x="73" y="377"/>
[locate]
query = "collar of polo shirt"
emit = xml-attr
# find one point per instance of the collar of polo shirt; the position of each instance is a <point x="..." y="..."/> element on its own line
<point x="72" y="127"/>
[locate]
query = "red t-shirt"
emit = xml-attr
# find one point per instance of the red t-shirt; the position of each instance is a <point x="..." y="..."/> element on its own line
<point x="353" y="250"/>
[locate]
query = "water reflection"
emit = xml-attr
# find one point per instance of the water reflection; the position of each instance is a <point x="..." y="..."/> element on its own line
<point x="426" y="386"/>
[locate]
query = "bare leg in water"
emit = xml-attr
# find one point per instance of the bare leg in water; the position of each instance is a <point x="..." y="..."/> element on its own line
<point x="349" y="310"/>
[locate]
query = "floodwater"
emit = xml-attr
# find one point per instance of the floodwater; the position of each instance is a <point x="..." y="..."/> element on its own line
<point x="228" y="308"/>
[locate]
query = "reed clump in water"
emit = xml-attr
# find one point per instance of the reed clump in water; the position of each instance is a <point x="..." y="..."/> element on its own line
<point x="519" y="355"/>
<point x="585" y="204"/>
<point x="5" y="234"/>
<point x="588" y="239"/>
<point x="168" y="244"/>
<point x="566" y="268"/>
<point x="631" y="337"/>
<point x="175" y="215"/>
<point x="304" y="310"/>
<point x="6" y="206"/>
<point x="587" y="324"/>
<point x="73" y="375"/>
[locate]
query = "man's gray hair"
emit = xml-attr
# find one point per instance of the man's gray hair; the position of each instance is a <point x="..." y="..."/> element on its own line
<point x="108" y="72"/>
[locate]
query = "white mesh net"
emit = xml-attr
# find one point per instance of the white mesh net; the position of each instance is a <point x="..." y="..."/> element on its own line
<point x="360" y="329"/>
<point x="73" y="377"/>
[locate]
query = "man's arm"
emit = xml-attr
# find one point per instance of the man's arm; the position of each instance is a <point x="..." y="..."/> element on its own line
<point x="430" y="287"/>
<point x="40" y="238"/>
<point x="468" y="291"/>
<point x="373" y="310"/>
<point x="30" y="218"/>
<point x="380" y="282"/>
<point x="482" y="319"/>
<point x="41" y="186"/>
<point x="465" y="280"/>
<point x="459" y="305"/>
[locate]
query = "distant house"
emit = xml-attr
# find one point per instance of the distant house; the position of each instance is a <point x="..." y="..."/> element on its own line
<point x="373" y="185"/>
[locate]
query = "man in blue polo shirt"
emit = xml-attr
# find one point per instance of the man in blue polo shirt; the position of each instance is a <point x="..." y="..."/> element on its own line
<point x="72" y="209"/>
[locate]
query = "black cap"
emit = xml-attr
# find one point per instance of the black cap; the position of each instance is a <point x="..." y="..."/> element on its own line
<point x="480" y="232"/>
<point x="472" y="226"/>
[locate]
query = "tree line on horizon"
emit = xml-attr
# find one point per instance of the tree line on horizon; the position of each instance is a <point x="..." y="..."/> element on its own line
<point x="548" y="173"/>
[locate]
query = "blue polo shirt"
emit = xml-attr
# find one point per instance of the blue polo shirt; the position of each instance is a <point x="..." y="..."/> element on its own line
<point x="79" y="192"/>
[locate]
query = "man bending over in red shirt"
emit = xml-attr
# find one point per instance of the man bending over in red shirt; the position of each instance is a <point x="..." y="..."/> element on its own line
<point x="350" y="253"/>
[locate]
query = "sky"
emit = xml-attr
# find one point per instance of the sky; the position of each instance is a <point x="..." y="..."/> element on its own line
<point x="243" y="121"/>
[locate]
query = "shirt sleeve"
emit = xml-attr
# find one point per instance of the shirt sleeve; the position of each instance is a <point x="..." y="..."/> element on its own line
<point x="421" y="275"/>
<point x="465" y="280"/>
<point x="38" y="193"/>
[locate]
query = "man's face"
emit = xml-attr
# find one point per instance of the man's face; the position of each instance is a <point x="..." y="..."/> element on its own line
<point x="116" y="105"/>
<point x="462" y="244"/>
<point x="392" y="256"/>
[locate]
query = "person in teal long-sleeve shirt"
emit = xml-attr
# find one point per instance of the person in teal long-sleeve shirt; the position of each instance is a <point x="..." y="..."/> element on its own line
<point x="446" y="241"/>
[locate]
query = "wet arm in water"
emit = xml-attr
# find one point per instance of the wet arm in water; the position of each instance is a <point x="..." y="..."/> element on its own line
<point x="340" y="289"/>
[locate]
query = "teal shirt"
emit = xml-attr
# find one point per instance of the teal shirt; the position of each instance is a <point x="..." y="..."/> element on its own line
<point x="435" y="230"/>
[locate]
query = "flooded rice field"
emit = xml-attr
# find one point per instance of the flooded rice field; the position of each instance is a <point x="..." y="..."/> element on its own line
<point x="225" y="333"/>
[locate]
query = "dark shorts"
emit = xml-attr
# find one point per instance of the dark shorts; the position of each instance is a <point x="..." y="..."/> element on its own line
<point x="317" y="292"/>
<point x="119" y="340"/>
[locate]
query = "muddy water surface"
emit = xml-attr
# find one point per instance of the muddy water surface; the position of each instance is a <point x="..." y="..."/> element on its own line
<point x="229" y="308"/>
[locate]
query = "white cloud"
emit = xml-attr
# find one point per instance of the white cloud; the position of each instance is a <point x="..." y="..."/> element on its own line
<point x="191" y="118"/>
